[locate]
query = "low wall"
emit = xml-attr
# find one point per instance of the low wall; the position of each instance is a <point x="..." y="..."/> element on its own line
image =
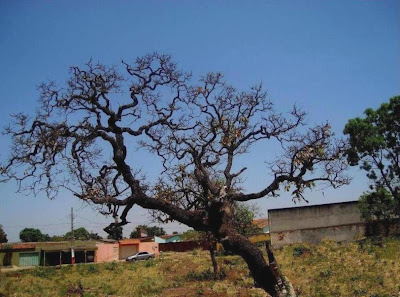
<point x="150" y="247"/>
<point x="183" y="246"/>
<point x="335" y="221"/>
<point x="336" y="233"/>
<point x="107" y="252"/>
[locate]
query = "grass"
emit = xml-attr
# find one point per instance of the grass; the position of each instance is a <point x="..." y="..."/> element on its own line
<point x="366" y="268"/>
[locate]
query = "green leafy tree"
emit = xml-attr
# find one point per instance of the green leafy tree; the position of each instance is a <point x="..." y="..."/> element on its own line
<point x="243" y="219"/>
<point x="155" y="231"/>
<point x="378" y="206"/>
<point x="3" y="235"/>
<point x="79" y="234"/>
<point x="374" y="143"/>
<point x="192" y="235"/>
<point x="115" y="232"/>
<point x="94" y="236"/>
<point x="58" y="238"/>
<point x="243" y="223"/>
<point x="150" y="230"/>
<point x="33" y="235"/>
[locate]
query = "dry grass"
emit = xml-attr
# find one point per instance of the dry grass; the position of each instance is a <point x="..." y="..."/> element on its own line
<point x="367" y="268"/>
<point x="329" y="269"/>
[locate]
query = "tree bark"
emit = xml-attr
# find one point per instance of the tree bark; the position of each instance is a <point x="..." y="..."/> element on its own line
<point x="266" y="276"/>
<point x="213" y="260"/>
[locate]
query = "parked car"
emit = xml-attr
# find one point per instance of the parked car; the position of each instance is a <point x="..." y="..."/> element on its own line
<point x="140" y="256"/>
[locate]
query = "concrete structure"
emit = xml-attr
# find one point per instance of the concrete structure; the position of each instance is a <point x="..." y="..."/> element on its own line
<point x="151" y="247"/>
<point x="20" y="254"/>
<point x="107" y="252"/>
<point x="336" y="221"/>
<point x="45" y="253"/>
<point x="56" y="253"/>
<point x="128" y="247"/>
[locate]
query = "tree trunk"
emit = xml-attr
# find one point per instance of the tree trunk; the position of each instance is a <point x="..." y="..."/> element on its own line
<point x="212" y="254"/>
<point x="266" y="276"/>
<point x="214" y="261"/>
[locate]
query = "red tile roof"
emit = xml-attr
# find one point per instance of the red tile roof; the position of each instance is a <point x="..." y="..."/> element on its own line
<point x="261" y="223"/>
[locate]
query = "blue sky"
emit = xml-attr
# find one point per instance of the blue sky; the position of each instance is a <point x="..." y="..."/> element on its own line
<point x="333" y="58"/>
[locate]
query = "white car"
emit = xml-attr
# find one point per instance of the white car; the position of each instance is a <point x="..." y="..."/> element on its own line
<point x="140" y="256"/>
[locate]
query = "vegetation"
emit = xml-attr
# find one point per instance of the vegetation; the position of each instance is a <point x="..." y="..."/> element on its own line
<point x="375" y="142"/>
<point x="3" y="235"/>
<point x="114" y="232"/>
<point x="367" y="268"/>
<point x="85" y="135"/>
<point x="79" y="234"/>
<point x="33" y="235"/>
<point x="378" y="207"/>
<point x="150" y="231"/>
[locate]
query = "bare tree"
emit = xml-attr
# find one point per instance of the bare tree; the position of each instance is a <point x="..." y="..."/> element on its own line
<point x="81" y="139"/>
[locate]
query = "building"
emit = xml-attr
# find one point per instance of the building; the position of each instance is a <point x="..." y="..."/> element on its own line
<point x="58" y="253"/>
<point x="167" y="238"/>
<point x="263" y="224"/>
<point x="46" y="253"/>
<point x="107" y="250"/>
<point x="336" y="221"/>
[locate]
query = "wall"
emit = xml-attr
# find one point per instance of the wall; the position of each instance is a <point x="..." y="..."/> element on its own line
<point x="107" y="252"/>
<point x="336" y="221"/>
<point x="183" y="246"/>
<point x="151" y="247"/>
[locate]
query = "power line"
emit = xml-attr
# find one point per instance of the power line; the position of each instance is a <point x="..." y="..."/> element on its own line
<point x="39" y="225"/>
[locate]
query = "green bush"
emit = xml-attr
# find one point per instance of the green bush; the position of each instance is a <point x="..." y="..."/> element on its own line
<point x="92" y="268"/>
<point x="112" y="266"/>
<point x="149" y="263"/>
<point x="300" y="250"/>
<point x="44" y="272"/>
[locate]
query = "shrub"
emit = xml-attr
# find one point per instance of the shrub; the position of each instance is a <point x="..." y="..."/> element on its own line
<point x="92" y="268"/>
<point x="112" y="266"/>
<point x="300" y="250"/>
<point x="149" y="263"/>
<point x="41" y="272"/>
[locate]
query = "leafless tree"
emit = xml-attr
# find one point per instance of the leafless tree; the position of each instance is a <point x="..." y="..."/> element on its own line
<point x="81" y="139"/>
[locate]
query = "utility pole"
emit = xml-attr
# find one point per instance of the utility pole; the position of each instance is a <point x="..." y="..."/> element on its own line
<point x="72" y="237"/>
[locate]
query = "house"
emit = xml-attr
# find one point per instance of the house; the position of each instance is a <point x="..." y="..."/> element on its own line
<point x="129" y="247"/>
<point x="19" y="254"/>
<point x="57" y="253"/>
<point x="46" y="253"/>
<point x="107" y="250"/>
<point x="263" y="224"/>
<point x="336" y="221"/>
<point x="167" y="238"/>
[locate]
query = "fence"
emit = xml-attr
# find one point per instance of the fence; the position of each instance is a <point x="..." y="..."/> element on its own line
<point x="183" y="246"/>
